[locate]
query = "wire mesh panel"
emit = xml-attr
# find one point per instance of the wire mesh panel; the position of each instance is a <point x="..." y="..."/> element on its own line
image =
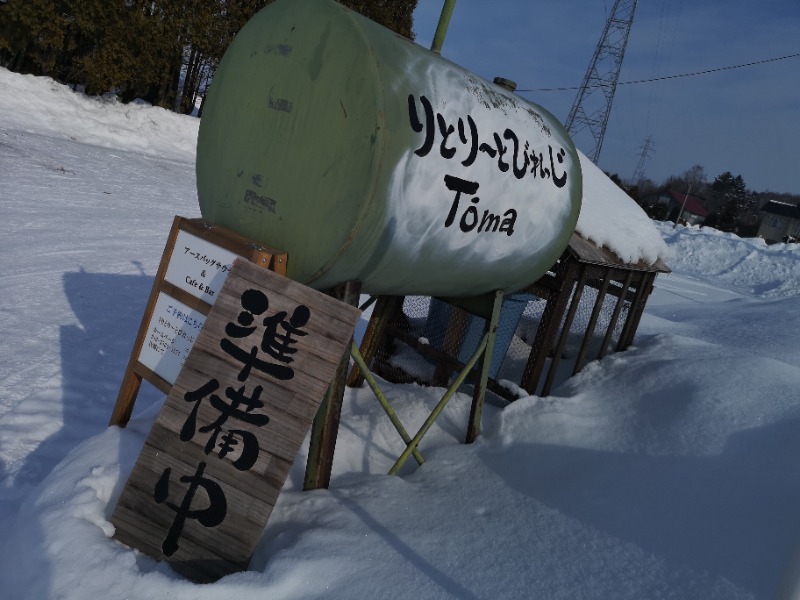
<point x="511" y="372"/>
<point x="399" y="358"/>
<point x="430" y="340"/>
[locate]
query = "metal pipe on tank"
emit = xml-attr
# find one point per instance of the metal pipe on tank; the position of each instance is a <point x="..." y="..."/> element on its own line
<point x="444" y="23"/>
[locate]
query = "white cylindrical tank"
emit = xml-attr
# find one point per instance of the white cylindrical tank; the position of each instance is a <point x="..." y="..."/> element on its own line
<point x="369" y="158"/>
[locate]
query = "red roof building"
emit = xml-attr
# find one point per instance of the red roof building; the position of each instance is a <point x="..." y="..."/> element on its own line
<point x="675" y="206"/>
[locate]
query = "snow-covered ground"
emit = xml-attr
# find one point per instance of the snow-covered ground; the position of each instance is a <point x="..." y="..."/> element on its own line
<point x="669" y="471"/>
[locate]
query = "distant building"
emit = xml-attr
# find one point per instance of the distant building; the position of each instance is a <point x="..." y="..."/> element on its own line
<point x="668" y="205"/>
<point x="780" y="222"/>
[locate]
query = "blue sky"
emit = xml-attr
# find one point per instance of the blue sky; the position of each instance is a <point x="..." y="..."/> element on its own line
<point x="746" y="120"/>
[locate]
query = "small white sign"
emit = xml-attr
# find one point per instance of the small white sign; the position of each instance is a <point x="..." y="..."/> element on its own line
<point x="173" y="329"/>
<point x="198" y="267"/>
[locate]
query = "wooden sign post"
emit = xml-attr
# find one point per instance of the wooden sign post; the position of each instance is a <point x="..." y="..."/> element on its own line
<point x="213" y="465"/>
<point x="196" y="261"/>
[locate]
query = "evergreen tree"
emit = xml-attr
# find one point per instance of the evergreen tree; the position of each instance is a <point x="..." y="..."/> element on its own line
<point x="34" y="36"/>
<point x="111" y="47"/>
<point x="209" y="35"/>
<point x="731" y="194"/>
<point x="164" y="51"/>
<point x="394" y="14"/>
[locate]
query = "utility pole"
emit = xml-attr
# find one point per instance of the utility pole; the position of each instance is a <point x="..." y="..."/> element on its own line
<point x="683" y="205"/>
<point x="593" y="103"/>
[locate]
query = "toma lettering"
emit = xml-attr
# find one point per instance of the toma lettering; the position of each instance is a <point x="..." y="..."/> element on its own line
<point x="471" y="219"/>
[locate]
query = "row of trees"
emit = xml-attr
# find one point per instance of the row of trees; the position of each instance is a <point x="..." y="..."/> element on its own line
<point x="163" y="51"/>
<point x="731" y="206"/>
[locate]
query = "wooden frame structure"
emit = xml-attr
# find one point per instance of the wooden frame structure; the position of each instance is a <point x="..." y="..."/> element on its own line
<point x="582" y="266"/>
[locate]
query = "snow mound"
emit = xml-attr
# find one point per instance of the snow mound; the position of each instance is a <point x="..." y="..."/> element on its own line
<point x="40" y="105"/>
<point x="743" y="264"/>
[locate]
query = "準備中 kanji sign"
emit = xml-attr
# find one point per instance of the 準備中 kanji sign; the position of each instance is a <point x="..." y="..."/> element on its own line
<point x="219" y="452"/>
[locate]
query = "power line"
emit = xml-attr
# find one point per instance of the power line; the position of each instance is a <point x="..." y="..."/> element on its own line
<point x="666" y="77"/>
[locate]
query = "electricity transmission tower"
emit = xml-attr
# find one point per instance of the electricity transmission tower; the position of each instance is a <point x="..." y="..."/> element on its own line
<point x="593" y="103"/>
<point x="647" y="150"/>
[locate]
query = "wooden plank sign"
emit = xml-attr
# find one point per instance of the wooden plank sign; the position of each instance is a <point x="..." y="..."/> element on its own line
<point x="211" y="469"/>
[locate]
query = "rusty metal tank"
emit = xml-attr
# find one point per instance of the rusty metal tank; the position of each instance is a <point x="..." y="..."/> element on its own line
<point x="369" y="158"/>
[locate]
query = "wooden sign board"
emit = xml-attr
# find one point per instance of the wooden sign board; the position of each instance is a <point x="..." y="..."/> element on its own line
<point x="197" y="259"/>
<point x="210" y="472"/>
